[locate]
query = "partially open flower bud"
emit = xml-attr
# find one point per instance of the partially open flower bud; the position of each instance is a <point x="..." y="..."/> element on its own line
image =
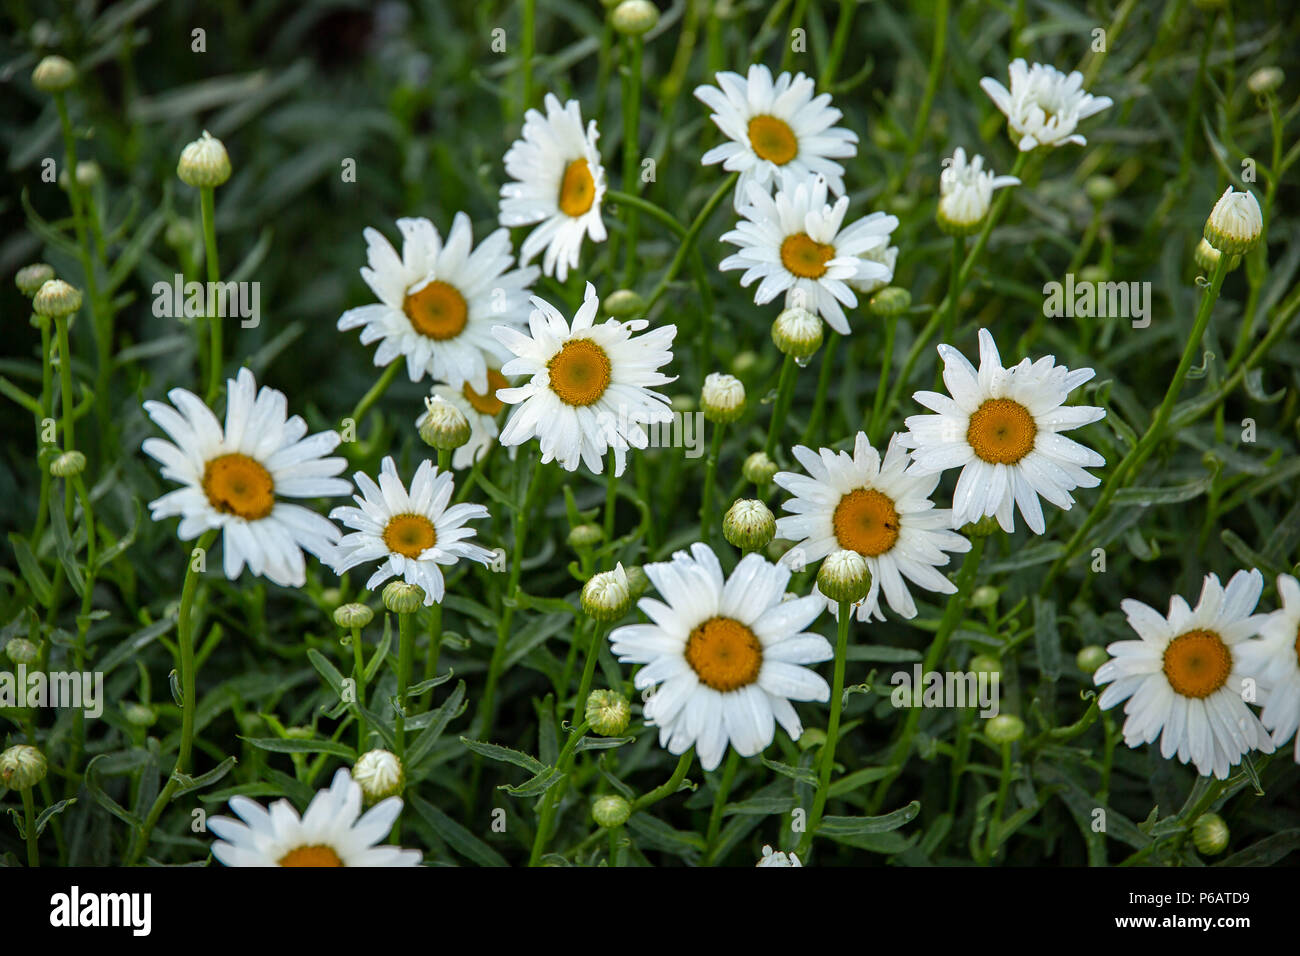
<point x="68" y="465"/>
<point x="403" y="598"/>
<point x="54" y="74"/>
<point x="607" y="596"/>
<point x="56" y="298"/>
<point x="380" y="775"/>
<point x="723" y="398"/>
<point x="611" y="810"/>
<point x="22" y="767"/>
<point x="1265" y="80"/>
<point x="204" y="163"/>
<point x="798" y="333"/>
<point x="608" y="712"/>
<point x="353" y="615"/>
<point x="30" y="278"/>
<point x="778" y="858"/>
<point x="844" y="577"/>
<point x="634" y="17"/>
<point x="759" y="468"/>
<point x="444" y="426"/>
<point x="1235" y="223"/>
<point x="748" y="524"/>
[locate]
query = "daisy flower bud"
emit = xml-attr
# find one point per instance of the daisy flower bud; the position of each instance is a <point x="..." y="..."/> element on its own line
<point x="844" y="577"/>
<point x="88" y="173"/>
<point x="180" y="233"/>
<point x="585" y="536"/>
<point x="759" y="468"/>
<point x="608" y="712"/>
<point x="683" y="404"/>
<point x="797" y="333"/>
<point x="56" y="298"/>
<point x="984" y="596"/>
<point x="30" y="278"/>
<point x="984" y="664"/>
<point x="744" y="362"/>
<point x="624" y="304"/>
<point x="22" y="651"/>
<point x="403" y="598"/>
<point x="1210" y="834"/>
<point x="1265" y="80"/>
<point x="204" y="163"/>
<point x="353" y="615"/>
<point x="69" y="464"/>
<point x="1004" y="729"/>
<point x="1207" y="257"/>
<point x="139" y="715"/>
<point x="1100" y="189"/>
<point x="980" y="529"/>
<point x="1235" y="223"/>
<point x="54" y="74"/>
<point x="634" y="18"/>
<point x="444" y="426"/>
<point x="21" y="767"/>
<point x="748" y="524"/>
<point x="1043" y="106"/>
<point x="638" y="582"/>
<point x="611" y="810"/>
<point x="380" y="774"/>
<point x="1090" y="658"/>
<point x="890" y="301"/>
<point x="966" y="192"/>
<point x="723" y="398"/>
<point x="778" y="858"/>
<point x="607" y="596"/>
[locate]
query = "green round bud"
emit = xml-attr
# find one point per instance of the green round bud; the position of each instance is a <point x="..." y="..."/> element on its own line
<point x="748" y="524"/>
<point x="611" y="810"/>
<point x="1207" y="257"/>
<point x="638" y="582"/>
<point x="889" y="301"/>
<point x="299" y="732"/>
<point x="723" y="398"/>
<point x="1210" y="834"/>
<point x="1265" y="80"/>
<point x="759" y="468"/>
<point x="624" y="304"/>
<point x="56" y="298"/>
<point x="985" y="664"/>
<point x="69" y="464"/>
<point x="584" y="536"/>
<point x="54" y="74"/>
<point x="607" y="596"/>
<point x="634" y="18"/>
<point x="1100" y="189"/>
<point x="744" y="362"/>
<point x="139" y="715"/>
<point x="844" y="577"/>
<point x="1004" y="728"/>
<point x="352" y="615"/>
<point x="986" y="595"/>
<point x="812" y="738"/>
<point x="403" y="598"/>
<point x="380" y="775"/>
<point x="204" y="163"/>
<point x="88" y="174"/>
<point x="1236" y="222"/>
<point x="981" y="529"/>
<point x="608" y="712"/>
<point x="22" y="651"/>
<point x="22" y="767"/>
<point x="798" y="333"/>
<point x="30" y="278"/>
<point x="180" y="233"/>
<point x="1090" y="658"/>
<point x="443" y="425"/>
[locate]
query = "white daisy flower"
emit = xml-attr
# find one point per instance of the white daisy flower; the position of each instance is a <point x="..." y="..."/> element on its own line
<point x="794" y="243"/>
<point x="1044" y="105"/>
<point x="235" y="478"/>
<point x="779" y="132"/>
<point x="1183" y="679"/>
<point x="480" y="409"/>
<point x="414" y="534"/>
<point x="332" y="832"/>
<point x="878" y="509"/>
<point x="887" y="257"/>
<point x="724" y="656"/>
<point x="438" y="301"/>
<point x="1275" y="657"/>
<point x="559" y="182"/>
<point x="589" y="386"/>
<point x="966" y="191"/>
<point x="778" y="858"/>
<point x="1002" y="427"/>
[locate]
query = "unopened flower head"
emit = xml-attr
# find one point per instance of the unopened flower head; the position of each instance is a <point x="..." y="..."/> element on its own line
<point x="54" y="74"/>
<point x="56" y="298"/>
<point x="204" y="163"/>
<point x="759" y="468"/>
<point x="966" y="192"/>
<point x="607" y="596"/>
<point x="1090" y="658"/>
<point x="586" y="535"/>
<point x="22" y="651"/>
<point x="30" y="278"/>
<point x="634" y="17"/>
<point x="353" y="615"/>
<point x="444" y="426"/>
<point x="611" y="810"/>
<point x="624" y="304"/>
<point x="608" y="712"/>
<point x="1210" y="834"/>
<point x="723" y="398"/>
<point x="1235" y="223"/>
<point x="68" y="465"/>
<point x="1207" y="257"/>
<point x="1265" y="80"/>
<point x="1044" y="105"/>
<point x="1004" y="728"/>
<point x="748" y="524"/>
<point x="380" y="774"/>
<point x="890" y="301"/>
<point x="844" y="577"/>
<point x="22" y="767"/>
<point x="638" y="582"/>
<point x="88" y="174"/>
<point x="798" y="333"/>
<point x="778" y="858"/>
<point x="403" y="598"/>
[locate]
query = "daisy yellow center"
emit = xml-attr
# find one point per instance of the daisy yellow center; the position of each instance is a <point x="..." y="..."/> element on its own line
<point x="805" y="256"/>
<point x="773" y="139"/>
<point x="1001" y="431"/>
<point x="311" y="856"/>
<point x="577" y="189"/>
<point x="580" y="372"/>
<point x="487" y="403"/>
<point x="724" y="654"/>
<point x="437" y="311"/>
<point x="237" y="485"/>
<point x="1197" y="663"/>
<point x="409" y="535"/>
<point x="865" y="521"/>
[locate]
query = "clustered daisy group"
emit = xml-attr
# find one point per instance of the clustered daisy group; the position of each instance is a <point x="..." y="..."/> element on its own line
<point x="722" y="658"/>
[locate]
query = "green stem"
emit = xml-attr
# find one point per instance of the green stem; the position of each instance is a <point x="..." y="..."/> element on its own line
<point x="588" y="670"/>
<point x="832" y="728"/>
<point x="207" y="207"/>
<point x="376" y="392"/>
<point x="631" y="128"/>
<point x="405" y="658"/>
<point x="688" y="241"/>
<point x="784" y="386"/>
<point x="667" y="789"/>
<point x="710" y="473"/>
<point x="551" y="799"/>
<point x="611" y="497"/>
<point x="359" y="679"/>
<point x="67" y="399"/>
<point x="838" y="43"/>
<point x="719" y="802"/>
<point x="882" y="388"/>
<point x="823" y="388"/>
<point x="29" y="814"/>
<point x="527" y="43"/>
<point x="937" y="63"/>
